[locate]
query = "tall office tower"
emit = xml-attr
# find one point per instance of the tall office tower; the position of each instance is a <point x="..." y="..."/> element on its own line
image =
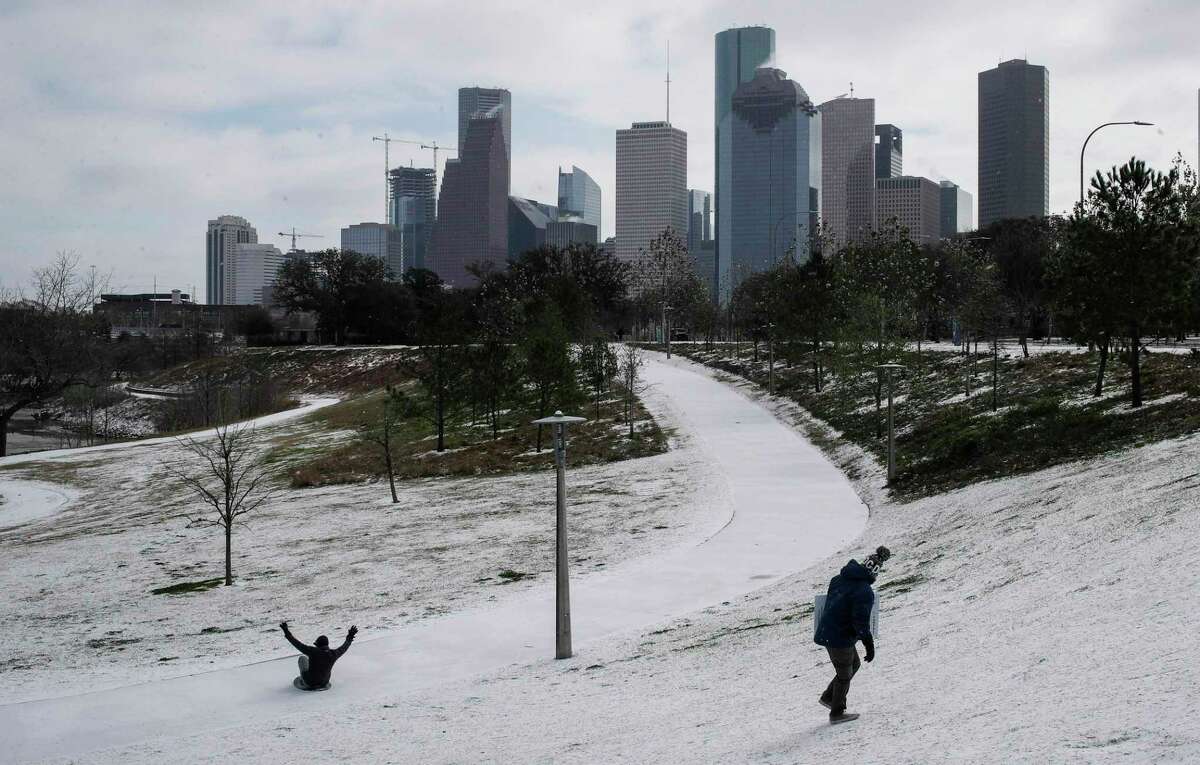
<point x="223" y="234"/>
<point x="527" y="222"/>
<point x="915" y="203"/>
<point x="848" y="167"/>
<point x="1014" y="141"/>
<point x="414" y="207"/>
<point x="472" y="222"/>
<point x="957" y="216"/>
<point x="472" y="101"/>
<point x="651" y="186"/>
<point x="565" y="232"/>
<point x="579" y="196"/>
<point x="699" y="219"/>
<point x="775" y="187"/>
<point x="379" y="240"/>
<point x="889" y="151"/>
<point x="250" y="272"/>
<point x="739" y="53"/>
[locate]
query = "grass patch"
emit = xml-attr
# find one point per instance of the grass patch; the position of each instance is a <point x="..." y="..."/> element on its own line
<point x="509" y="576"/>
<point x="184" y="588"/>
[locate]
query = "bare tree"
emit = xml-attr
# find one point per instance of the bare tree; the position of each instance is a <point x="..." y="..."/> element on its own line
<point x="231" y="481"/>
<point x="382" y="432"/>
<point x="631" y="378"/>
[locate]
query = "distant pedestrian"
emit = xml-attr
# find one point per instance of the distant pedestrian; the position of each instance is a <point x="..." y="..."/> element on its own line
<point x="845" y="621"/>
<point x="316" y="661"/>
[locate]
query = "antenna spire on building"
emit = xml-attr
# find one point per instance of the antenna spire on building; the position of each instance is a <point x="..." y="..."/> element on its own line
<point x="668" y="82"/>
<point x="852" y="89"/>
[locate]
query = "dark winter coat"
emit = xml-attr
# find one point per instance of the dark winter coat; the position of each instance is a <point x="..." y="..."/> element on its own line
<point x="847" y="616"/>
<point x="320" y="659"/>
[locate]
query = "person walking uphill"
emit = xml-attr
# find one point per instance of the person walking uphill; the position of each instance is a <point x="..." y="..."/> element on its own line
<point x="316" y="662"/>
<point x="845" y="621"/>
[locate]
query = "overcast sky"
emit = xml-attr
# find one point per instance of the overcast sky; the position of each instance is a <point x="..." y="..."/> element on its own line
<point x="125" y="127"/>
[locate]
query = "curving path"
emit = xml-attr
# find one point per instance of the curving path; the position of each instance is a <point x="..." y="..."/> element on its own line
<point x="789" y="508"/>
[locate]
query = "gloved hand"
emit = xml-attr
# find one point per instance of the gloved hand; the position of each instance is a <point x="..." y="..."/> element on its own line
<point x="353" y="631"/>
<point x="869" y="644"/>
<point x="283" y="626"/>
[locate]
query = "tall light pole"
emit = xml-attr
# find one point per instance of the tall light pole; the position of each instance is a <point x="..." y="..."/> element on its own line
<point x="1085" y="143"/>
<point x="891" y="453"/>
<point x="666" y="311"/>
<point x="562" y="584"/>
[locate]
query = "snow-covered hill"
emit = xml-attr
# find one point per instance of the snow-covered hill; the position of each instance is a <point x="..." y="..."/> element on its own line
<point x="1045" y="618"/>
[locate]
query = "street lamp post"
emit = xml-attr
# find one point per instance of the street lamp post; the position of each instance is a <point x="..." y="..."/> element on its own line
<point x="891" y="454"/>
<point x="771" y="358"/>
<point x="666" y="309"/>
<point x="1085" y="143"/>
<point x="562" y="584"/>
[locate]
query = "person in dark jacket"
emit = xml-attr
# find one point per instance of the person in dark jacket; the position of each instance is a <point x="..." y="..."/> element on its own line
<point x="316" y="661"/>
<point x="846" y="620"/>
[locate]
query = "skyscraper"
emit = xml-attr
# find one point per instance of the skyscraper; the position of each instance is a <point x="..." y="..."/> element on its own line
<point x="472" y="101"/>
<point x="379" y="240"/>
<point x="1014" y="141"/>
<point x="914" y="202"/>
<point x="414" y="209"/>
<point x="699" y="219"/>
<point x="223" y="233"/>
<point x="889" y="151"/>
<point x="250" y="272"/>
<point x="527" y="221"/>
<point x="472" y="222"/>
<point x="579" y="196"/>
<point x="651" y="185"/>
<point x="957" y="215"/>
<point x="739" y="53"/>
<point x="775" y="185"/>
<point x="848" y="167"/>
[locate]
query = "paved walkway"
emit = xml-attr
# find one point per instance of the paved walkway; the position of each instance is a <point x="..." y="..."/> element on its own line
<point x="789" y="507"/>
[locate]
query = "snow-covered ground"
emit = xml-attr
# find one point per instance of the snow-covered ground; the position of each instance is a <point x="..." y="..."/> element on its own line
<point x="22" y="502"/>
<point x="769" y="503"/>
<point x="1045" y="618"/>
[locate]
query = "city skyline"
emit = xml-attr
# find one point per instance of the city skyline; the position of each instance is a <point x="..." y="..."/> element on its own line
<point x="277" y="129"/>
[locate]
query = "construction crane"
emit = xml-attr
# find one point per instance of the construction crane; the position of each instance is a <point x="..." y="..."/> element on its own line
<point x="387" y="140"/>
<point x="296" y="236"/>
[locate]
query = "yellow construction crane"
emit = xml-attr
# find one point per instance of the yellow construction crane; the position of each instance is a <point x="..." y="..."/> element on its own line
<point x="296" y="236"/>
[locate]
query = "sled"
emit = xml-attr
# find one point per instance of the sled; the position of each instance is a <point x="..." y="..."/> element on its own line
<point x="300" y="685"/>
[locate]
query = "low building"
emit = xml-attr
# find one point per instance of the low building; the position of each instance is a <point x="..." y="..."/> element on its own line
<point x="564" y="233"/>
<point x="379" y="240"/>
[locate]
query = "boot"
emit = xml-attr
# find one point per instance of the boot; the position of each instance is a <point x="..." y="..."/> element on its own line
<point x="842" y="716"/>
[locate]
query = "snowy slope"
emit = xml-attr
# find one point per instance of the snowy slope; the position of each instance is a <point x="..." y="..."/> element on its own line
<point x="789" y="505"/>
<point x="1046" y="618"/>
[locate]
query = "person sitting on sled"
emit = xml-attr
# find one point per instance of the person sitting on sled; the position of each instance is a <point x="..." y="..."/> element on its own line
<point x="316" y="661"/>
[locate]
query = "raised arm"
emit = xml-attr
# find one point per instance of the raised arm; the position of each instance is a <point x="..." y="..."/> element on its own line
<point x="306" y="650"/>
<point x="349" y="639"/>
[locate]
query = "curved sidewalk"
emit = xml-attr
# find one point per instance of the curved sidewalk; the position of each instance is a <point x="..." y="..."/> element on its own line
<point x="790" y="508"/>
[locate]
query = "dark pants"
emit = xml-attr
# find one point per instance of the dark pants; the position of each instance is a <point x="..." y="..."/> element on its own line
<point x="845" y="665"/>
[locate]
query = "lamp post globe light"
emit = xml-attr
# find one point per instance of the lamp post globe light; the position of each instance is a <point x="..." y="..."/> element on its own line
<point x="1085" y="143"/>
<point x="891" y="452"/>
<point x="562" y="585"/>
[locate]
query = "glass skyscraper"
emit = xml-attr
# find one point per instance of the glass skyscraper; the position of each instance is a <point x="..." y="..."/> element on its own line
<point x="651" y="186"/>
<point x="739" y="52"/>
<point x="379" y="240"/>
<point x="1014" y="142"/>
<point x="775" y="183"/>
<point x="413" y="210"/>
<point x="889" y="151"/>
<point x="579" y="196"/>
<point x="472" y="101"/>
